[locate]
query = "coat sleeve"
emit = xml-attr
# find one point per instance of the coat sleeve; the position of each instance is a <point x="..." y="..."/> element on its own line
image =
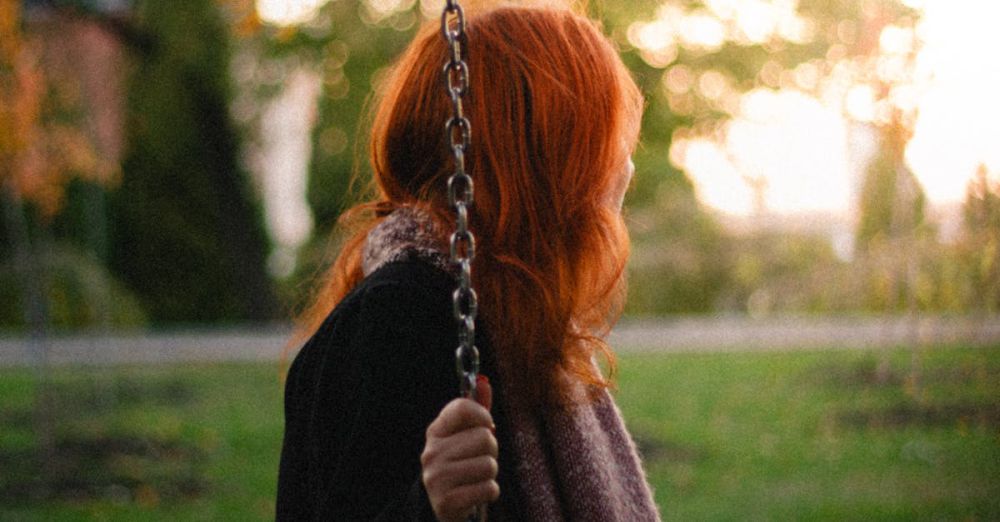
<point x="405" y="342"/>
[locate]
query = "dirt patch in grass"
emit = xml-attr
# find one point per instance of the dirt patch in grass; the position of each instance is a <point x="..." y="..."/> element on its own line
<point x="864" y="373"/>
<point x="15" y="418"/>
<point x="870" y="373"/>
<point x="106" y="395"/>
<point x="120" y="469"/>
<point x="910" y="414"/>
<point x="653" y="449"/>
<point x="71" y="400"/>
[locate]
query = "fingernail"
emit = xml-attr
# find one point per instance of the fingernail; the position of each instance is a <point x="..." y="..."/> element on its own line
<point x="482" y="379"/>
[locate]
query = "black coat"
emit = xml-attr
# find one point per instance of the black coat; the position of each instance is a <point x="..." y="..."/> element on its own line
<point x="361" y="393"/>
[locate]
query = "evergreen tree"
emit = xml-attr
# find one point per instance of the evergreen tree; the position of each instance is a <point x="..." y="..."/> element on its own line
<point x="891" y="226"/>
<point x="981" y="241"/>
<point x="187" y="234"/>
<point x="892" y="202"/>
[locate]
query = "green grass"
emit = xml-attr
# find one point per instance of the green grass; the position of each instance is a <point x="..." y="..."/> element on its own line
<point x="816" y="436"/>
<point x="212" y="435"/>
<point x="804" y="436"/>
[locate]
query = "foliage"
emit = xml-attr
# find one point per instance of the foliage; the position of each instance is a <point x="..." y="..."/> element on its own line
<point x="892" y="204"/>
<point x="46" y="145"/>
<point x="675" y="269"/>
<point x="782" y="272"/>
<point x="43" y="140"/>
<point x="980" y="243"/>
<point x="695" y="88"/>
<point x="78" y="290"/>
<point x="186" y="233"/>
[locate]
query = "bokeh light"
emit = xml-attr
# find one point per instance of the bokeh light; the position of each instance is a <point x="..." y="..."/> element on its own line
<point x="785" y="153"/>
<point x="288" y="12"/>
<point x="958" y="125"/>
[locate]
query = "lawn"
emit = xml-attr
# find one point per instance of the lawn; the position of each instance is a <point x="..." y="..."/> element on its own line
<point x="817" y="436"/>
<point x="773" y="436"/>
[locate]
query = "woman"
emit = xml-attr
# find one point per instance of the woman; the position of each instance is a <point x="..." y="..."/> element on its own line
<point x="373" y="428"/>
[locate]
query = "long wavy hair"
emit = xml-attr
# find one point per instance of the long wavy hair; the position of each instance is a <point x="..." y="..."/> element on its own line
<point x="555" y="116"/>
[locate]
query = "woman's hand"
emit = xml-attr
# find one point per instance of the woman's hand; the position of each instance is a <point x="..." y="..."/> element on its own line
<point x="460" y="458"/>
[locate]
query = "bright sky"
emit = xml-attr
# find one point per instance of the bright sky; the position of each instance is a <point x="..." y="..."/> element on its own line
<point x="787" y="143"/>
<point x="293" y="12"/>
<point x="282" y="164"/>
<point x="959" y="123"/>
<point x="288" y="12"/>
<point x="803" y="151"/>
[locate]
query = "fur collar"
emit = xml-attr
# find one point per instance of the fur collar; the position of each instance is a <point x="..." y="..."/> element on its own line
<point x="406" y="233"/>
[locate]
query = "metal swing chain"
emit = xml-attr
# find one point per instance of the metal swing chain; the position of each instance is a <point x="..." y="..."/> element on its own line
<point x="458" y="132"/>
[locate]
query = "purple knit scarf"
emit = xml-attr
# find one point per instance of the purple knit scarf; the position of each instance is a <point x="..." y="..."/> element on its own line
<point x="577" y="464"/>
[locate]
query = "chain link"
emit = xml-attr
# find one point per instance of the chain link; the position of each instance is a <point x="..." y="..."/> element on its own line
<point x="458" y="132"/>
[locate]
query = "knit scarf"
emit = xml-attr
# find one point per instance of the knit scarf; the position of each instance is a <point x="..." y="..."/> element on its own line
<point x="576" y="464"/>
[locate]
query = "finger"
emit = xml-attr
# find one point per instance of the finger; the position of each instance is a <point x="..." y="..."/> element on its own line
<point x="472" y="471"/>
<point x="484" y="392"/>
<point x="474" y="442"/>
<point x="462" y="500"/>
<point x="454" y="474"/>
<point x="471" y="443"/>
<point x="459" y="415"/>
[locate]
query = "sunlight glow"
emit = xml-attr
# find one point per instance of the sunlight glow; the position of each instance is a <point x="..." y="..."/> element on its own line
<point x="785" y="153"/>
<point x="789" y="141"/>
<point x="896" y="40"/>
<point x="282" y="166"/>
<point x="958" y="125"/>
<point x="700" y="30"/>
<point x="717" y="181"/>
<point x="706" y="30"/>
<point x="860" y="103"/>
<point x="798" y="146"/>
<point x="288" y="12"/>
<point x="757" y="21"/>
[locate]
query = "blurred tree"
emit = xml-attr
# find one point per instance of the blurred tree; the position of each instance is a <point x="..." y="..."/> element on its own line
<point x="891" y="223"/>
<point x="347" y="44"/>
<point x="71" y="280"/>
<point x="678" y="263"/>
<point x="43" y="143"/>
<point x="352" y="60"/>
<point x="186" y="232"/>
<point x="782" y="272"/>
<point x="892" y="203"/>
<point x="980" y="241"/>
<point x="48" y="144"/>
<point x="698" y="58"/>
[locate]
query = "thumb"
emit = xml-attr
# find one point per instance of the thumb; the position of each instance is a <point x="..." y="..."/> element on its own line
<point x="484" y="392"/>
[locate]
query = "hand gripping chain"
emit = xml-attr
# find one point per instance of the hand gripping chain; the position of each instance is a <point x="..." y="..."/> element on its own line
<point x="458" y="132"/>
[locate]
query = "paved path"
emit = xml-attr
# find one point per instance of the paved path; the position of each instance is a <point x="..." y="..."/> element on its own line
<point x="804" y="333"/>
<point x="663" y="335"/>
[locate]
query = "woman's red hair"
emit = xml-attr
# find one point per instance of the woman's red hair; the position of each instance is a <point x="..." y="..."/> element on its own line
<point x="554" y="116"/>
